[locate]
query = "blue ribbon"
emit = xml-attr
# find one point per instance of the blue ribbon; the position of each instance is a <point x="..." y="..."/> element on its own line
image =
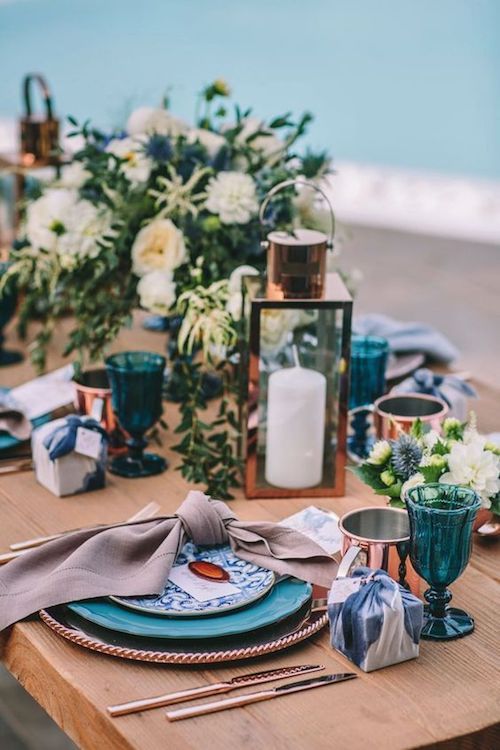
<point x="430" y="383"/>
<point x="62" y="440"/>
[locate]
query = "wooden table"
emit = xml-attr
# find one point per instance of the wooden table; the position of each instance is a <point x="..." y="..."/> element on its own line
<point x="449" y="697"/>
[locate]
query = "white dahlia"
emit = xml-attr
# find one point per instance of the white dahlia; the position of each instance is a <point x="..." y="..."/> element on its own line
<point x="60" y="222"/>
<point x="232" y="196"/>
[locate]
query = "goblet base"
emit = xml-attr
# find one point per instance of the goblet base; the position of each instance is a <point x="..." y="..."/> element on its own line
<point x="455" y="624"/>
<point x="145" y="466"/>
<point x="9" y="357"/>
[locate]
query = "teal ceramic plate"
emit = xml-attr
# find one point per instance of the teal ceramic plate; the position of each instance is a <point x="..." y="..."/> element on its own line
<point x="286" y="597"/>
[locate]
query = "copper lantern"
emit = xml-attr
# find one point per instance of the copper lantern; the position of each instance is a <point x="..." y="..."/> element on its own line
<point x="295" y="388"/>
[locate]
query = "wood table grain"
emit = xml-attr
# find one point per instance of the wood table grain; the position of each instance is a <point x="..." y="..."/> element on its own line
<point x="449" y="697"/>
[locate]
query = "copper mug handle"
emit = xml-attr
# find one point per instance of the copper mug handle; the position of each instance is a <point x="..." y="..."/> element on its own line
<point x="347" y="561"/>
<point x="288" y="183"/>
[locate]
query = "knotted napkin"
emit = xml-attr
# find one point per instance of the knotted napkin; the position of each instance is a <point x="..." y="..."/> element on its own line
<point x="134" y="559"/>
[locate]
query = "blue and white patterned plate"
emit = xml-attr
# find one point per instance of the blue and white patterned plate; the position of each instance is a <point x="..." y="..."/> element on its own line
<point x="252" y="581"/>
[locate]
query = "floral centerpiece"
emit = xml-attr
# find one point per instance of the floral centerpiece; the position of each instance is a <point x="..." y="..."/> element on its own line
<point x="460" y="455"/>
<point x="160" y="215"/>
<point x="144" y="215"/>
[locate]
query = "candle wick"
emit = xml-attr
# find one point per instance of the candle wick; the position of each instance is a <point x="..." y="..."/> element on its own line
<point x="295" y="355"/>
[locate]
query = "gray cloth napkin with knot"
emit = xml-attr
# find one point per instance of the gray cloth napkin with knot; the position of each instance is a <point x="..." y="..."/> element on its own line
<point x="134" y="559"/>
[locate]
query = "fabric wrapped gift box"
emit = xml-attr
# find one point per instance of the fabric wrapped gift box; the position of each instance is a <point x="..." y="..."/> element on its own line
<point x="376" y="625"/>
<point x="70" y="455"/>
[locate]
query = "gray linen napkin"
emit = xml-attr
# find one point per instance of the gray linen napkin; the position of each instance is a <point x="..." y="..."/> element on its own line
<point x="135" y="559"/>
<point x="407" y="337"/>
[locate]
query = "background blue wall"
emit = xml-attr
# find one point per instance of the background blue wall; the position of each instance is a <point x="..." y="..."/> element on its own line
<point x="411" y="83"/>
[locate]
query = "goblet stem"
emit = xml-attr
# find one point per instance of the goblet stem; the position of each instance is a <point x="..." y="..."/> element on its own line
<point x="136" y="445"/>
<point x="438" y="599"/>
<point x="358" y="443"/>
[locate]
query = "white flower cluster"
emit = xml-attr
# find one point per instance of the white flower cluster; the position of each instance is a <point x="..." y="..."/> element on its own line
<point x="60" y="222"/>
<point x="233" y="197"/>
<point x="471" y="464"/>
<point x="157" y="251"/>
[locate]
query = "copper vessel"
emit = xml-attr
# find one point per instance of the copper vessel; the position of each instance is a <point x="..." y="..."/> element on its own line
<point x="378" y="538"/>
<point x="394" y="414"/>
<point x="296" y="261"/>
<point x="93" y="398"/>
<point x="39" y="133"/>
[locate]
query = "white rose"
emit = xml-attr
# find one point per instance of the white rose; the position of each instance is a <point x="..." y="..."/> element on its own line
<point x="74" y="175"/>
<point x="148" y="120"/>
<point x="156" y="291"/>
<point x="413" y="481"/>
<point x="380" y="453"/>
<point x="213" y="142"/>
<point x="62" y="223"/>
<point x="159" y="246"/>
<point x="471" y="465"/>
<point x="232" y="196"/>
<point x="268" y="144"/>
<point x="136" y="165"/>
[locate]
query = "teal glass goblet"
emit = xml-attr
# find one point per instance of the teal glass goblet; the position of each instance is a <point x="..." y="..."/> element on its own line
<point x="441" y="518"/>
<point x="136" y="380"/>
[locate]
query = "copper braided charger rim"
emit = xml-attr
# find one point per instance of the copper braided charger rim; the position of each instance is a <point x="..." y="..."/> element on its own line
<point x="310" y="627"/>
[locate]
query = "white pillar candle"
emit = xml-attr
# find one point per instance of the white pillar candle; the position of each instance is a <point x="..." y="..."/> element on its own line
<point x="296" y="405"/>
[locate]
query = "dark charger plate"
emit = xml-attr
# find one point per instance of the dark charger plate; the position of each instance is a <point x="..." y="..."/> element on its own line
<point x="294" y="629"/>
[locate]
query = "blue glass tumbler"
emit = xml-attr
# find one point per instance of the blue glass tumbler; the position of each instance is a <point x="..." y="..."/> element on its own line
<point x="136" y="380"/>
<point x="441" y="518"/>
<point x="367" y="383"/>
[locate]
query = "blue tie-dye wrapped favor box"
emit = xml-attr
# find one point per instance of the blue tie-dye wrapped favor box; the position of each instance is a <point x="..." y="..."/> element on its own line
<point x="374" y="621"/>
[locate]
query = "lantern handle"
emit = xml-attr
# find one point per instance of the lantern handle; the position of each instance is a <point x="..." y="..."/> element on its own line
<point x="294" y="181"/>
<point x="46" y="94"/>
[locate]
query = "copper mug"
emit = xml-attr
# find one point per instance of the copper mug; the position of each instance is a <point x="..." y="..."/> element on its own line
<point x="393" y="414"/>
<point x="378" y="538"/>
<point x="93" y="398"/>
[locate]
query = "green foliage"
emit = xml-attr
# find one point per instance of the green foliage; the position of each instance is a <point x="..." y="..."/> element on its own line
<point x="208" y="448"/>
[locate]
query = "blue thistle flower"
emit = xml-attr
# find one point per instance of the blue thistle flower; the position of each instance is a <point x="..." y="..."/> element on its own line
<point x="159" y="148"/>
<point x="406" y="456"/>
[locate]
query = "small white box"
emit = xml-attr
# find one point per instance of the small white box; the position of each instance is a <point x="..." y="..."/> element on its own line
<point x="71" y="473"/>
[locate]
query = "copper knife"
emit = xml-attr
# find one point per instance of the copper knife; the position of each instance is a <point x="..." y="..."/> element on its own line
<point x="254" y="678"/>
<point x="262" y="695"/>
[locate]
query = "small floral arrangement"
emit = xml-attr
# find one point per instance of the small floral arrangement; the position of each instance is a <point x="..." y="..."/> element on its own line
<point x="146" y="215"/>
<point x="460" y="455"/>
